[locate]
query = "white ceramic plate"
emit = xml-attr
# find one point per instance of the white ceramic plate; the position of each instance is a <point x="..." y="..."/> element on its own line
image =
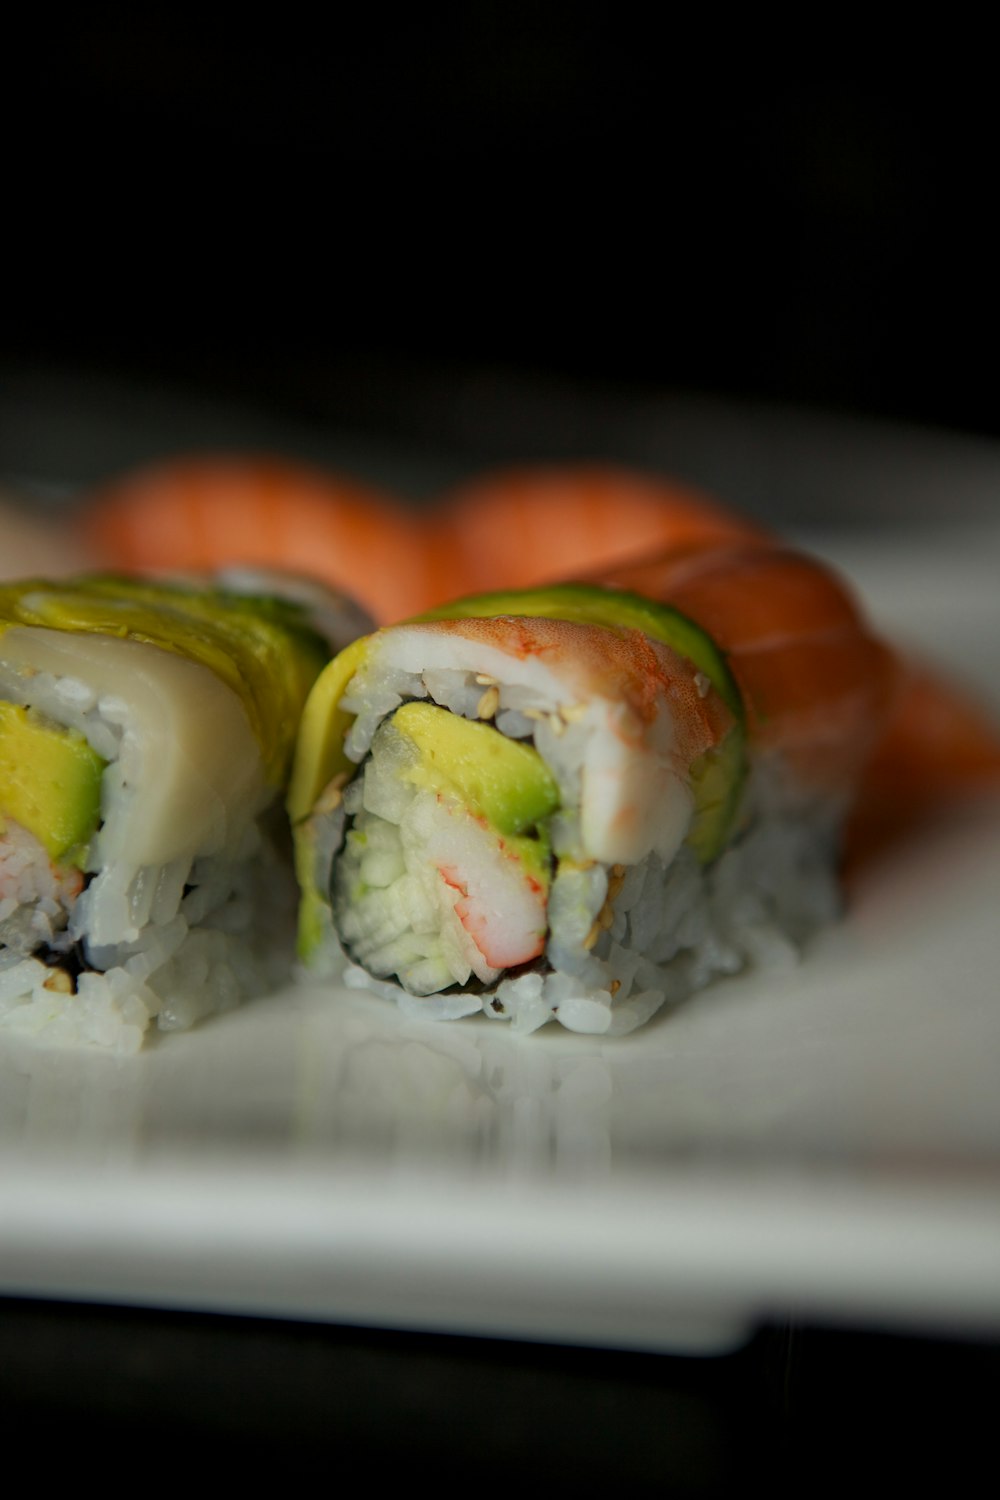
<point x="823" y="1142"/>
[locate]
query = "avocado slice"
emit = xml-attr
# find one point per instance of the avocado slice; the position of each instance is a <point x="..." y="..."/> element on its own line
<point x="50" y="782"/>
<point x="717" y="779"/>
<point x="319" y="751"/>
<point x="502" y="780"/>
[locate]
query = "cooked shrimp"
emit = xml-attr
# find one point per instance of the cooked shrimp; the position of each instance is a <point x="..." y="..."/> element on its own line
<point x="499" y="902"/>
<point x="214" y="512"/>
<point x="27" y="874"/>
<point x="520" y="527"/>
<point x="815" y="682"/>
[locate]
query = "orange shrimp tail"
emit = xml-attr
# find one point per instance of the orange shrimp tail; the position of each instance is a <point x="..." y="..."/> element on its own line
<point x="521" y="527"/>
<point x="212" y="512"/>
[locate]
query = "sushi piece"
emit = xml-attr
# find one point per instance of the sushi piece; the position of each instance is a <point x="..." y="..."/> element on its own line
<point x="146" y="733"/>
<point x="212" y="512"/>
<point x="521" y="527"/>
<point x="580" y="802"/>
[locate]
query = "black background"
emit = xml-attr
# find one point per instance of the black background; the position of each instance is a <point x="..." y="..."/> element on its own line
<point x="322" y="214"/>
<point x="796" y="1408"/>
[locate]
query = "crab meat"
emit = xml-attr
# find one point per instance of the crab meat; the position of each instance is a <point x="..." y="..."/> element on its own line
<point x="27" y="874"/>
<point x="430" y="892"/>
<point x="501" y="905"/>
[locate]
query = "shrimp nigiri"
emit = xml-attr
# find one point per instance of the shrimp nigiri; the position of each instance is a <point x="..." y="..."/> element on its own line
<point x="209" y="513"/>
<point x="520" y="527"/>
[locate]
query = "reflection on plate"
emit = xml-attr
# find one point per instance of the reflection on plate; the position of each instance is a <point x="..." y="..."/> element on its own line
<point x="825" y="1139"/>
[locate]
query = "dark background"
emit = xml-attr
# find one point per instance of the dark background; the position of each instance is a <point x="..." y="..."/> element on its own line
<point x="796" y="1408"/>
<point x="326" y="217"/>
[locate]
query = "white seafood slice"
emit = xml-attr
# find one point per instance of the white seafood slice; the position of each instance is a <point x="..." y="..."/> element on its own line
<point x="188" y="765"/>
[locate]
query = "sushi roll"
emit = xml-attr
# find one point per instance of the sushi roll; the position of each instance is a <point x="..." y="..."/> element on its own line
<point x="146" y="733"/>
<point x="580" y="802"/>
